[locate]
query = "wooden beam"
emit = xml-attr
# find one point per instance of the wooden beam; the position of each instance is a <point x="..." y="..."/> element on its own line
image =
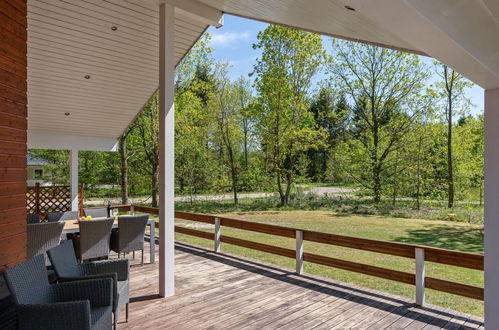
<point x="197" y="11"/>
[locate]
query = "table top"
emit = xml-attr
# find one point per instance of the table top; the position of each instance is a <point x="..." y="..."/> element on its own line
<point x="71" y="226"/>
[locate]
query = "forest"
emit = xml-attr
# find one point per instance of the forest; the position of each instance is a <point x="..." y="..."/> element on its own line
<point x="382" y="121"/>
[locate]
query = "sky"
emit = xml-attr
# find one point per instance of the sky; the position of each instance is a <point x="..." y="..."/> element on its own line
<point x="233" y="43"/>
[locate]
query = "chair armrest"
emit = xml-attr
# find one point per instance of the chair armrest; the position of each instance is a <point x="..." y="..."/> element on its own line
<point x="119" y="266"/>
<point x="98" y="291"/>
<point x="58" y="316"/>
<point x="113" y="276"/>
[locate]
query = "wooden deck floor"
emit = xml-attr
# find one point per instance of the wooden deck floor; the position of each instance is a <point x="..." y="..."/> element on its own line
<point x="218" y="291"/>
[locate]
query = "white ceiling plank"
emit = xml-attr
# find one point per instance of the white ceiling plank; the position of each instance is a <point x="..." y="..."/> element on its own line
<point x="88" y="18"/>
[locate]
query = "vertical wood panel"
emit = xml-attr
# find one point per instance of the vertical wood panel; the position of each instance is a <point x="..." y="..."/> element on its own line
<point x="13" y="122"/>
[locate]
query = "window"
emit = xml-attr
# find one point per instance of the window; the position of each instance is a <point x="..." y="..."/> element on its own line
<point x="38" y="173"/>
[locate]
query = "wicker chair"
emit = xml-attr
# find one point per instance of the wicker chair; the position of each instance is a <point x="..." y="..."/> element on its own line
<point x="97" y="213"/>
<point x="43" y="236"/>
<point x="32" y="218"/>
<point x="67" y="268"/>
<point x="62" y="216"/>
<point x="130" y="234"/>
<point x="93" y="240"/>
<point x="65" y="306"/>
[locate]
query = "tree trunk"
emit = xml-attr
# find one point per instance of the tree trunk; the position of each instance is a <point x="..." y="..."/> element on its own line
<point x="450" y="167"/>
<point x="288" y="187"/>
<point x="395" y="180"/>
<point x="376" y="172"/>
<point x="279" y="188"/>
<point x="418" y="182"/>
<point x="233" y="171"/>
<point x="376" y="185"/>
<point x="124" y="170"/>
<point x="376" y="166"/>
<point x="154" y="185"/>
<point x="245" y="146"/>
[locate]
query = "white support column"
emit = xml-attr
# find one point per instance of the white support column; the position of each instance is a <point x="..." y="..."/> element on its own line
<point x="74" y="179"/>
<point x="299" y="252"/>
<point x="218" y="234"/>
<point x="491" y="212"/>
<point x="420" y="277"/>
<point x="167" y="151"/>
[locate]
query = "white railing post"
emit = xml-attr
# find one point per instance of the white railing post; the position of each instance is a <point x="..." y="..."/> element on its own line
<point x="217" y="235"/>
<point x="299" y="252"/>
<point x="420" y="277"/>
<point x="132" y="210"/>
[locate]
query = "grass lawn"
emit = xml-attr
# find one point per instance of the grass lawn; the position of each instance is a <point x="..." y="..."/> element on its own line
<point x="442" y="234"/>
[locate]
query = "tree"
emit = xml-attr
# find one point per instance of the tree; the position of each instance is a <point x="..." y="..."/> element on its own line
<point x="125" y="155"/>
<point x="146" y="127"/>
<point x="244" y="102"/>
<point x="228" y="119"/>
<point x="468" y="155"/>
<point x="384" y="89"/>
<point x="452" y="87"/>
<point x="289" y="60"/>
<point x="330" y="113"/>
<point x="195" y="105"/>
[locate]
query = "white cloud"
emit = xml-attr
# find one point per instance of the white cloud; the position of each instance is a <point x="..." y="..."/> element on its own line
<point x="227" y="39"/>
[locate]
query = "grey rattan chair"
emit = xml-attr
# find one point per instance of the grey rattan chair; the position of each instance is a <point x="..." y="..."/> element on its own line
<point x="93" y="240"/>
<point x="66" y="268"/>
<point x="43" y="236"/>
<point x="130" y="234"/>
<point x="32" y="218"/>
<point x="96" y="213"/>
<point x="64" y="306"/>
<point x="62" y="216"/>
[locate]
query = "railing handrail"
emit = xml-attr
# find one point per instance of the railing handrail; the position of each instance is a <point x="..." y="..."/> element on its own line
<point x="443" y="256"/>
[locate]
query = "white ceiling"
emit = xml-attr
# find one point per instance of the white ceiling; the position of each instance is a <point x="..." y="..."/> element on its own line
<point x="68" y="39"/>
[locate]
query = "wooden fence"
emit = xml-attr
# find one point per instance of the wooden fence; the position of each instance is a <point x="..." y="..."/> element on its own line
<point x="421" y="254"/>
<point x="44" y="199"/>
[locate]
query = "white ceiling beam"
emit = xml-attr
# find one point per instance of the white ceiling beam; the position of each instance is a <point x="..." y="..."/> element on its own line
<point x="44" y="140"/>
<point x="197" y="11"/>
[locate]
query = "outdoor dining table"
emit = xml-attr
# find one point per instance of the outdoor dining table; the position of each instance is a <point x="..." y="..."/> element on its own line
<point x="72" y="226"/>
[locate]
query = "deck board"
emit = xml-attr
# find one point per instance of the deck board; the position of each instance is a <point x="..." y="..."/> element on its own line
<point x="221" y="291"/>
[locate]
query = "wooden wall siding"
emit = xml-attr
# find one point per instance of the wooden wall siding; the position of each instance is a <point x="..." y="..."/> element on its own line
<point x="13" y="126"/>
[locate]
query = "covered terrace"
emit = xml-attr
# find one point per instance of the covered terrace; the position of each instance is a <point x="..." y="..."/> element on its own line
<point x="74" y="74"/>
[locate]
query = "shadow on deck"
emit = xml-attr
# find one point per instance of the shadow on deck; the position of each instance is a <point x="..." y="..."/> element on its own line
<point x="221" y="291"/>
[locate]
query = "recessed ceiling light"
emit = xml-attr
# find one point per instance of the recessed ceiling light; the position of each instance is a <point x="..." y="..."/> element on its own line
<point x="114" y="28"/>
<point x="67" y="113"/>
<point x="87" y="76"/>
<point x="350" y="8"/>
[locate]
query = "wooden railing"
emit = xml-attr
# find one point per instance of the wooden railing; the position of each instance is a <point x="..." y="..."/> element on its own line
<point x="421" y="254"/>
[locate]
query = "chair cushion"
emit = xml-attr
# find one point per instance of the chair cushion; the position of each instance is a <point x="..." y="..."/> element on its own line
<point x="101" y="318"/>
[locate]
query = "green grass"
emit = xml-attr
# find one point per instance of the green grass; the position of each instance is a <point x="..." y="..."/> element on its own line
<point x="345" y="205"/>
<point x="442" y="234"/>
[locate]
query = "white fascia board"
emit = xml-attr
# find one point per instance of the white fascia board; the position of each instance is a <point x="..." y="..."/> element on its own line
<point x="406" y="22"/>
<point x="197" y="11"/>
<point x="43" y="140"/>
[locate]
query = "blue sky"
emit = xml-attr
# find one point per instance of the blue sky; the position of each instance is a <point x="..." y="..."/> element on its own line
<point x="233" y="43"/>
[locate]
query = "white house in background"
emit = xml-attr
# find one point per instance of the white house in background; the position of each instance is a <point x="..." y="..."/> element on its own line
<point x="38" y="171"/>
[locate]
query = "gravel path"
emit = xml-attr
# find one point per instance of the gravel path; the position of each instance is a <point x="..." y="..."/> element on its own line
<point x="320" y="191"/>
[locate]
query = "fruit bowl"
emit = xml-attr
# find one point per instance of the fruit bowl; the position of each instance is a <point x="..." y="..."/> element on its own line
<point x="85" y="218"/>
